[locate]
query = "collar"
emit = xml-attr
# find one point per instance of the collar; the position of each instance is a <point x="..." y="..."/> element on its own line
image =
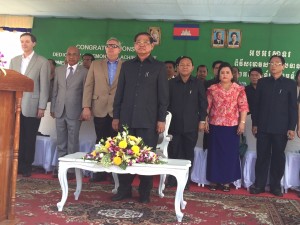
<point x="279" y="79"/>
<point x="74" y="67"/>
<point x="28" y="57"/>
<point x="149" y="58"/>
<point x="113" y="62"/>
<point x="179" y="79"/>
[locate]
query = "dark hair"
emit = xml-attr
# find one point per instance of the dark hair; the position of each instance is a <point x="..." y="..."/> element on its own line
<point x="171" y="62"/>
<point x="33" y="38"/>
<point x="236" y="68"/>
<point x="88" y="54"/>
<point x="202" y="66"/>
<point x="297" y="75"/>
<point x="278" y="56"/>
<point x="224" y="64"/>
<point x="185" y="57"/>
<point x="146" y="34"/>
<point x="216" y="62"/>
<point x="52" y="61"/>
<point x="257" y="69"/>
<point x="233" y="34"/>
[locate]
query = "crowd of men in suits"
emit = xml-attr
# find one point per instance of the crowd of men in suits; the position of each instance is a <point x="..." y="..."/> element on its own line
<point x="135" y="93"/>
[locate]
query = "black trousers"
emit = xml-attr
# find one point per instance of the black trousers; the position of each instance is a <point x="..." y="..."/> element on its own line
<point x="29" y="127"/>
<point x="183" y="145"/>
<point x="103" y="128"/>
<point x="270" y="157"/>
<point x="150" y="138"/>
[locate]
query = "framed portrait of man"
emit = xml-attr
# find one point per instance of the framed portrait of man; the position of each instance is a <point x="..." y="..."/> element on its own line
<point x="155" y="33"/>
<point x="218" y="38"/>
<point x="234" y="38"/>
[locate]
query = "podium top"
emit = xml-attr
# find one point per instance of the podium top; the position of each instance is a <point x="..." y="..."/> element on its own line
<point x="14" y="81"/>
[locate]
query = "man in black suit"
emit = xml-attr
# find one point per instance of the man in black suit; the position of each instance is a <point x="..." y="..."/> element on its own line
<point x="141" y="102"/>
<point x="219" y="40"/>
<point x="274" y="119"/>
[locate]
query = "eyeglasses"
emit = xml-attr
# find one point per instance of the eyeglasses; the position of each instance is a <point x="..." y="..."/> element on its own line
<point x="111" y="46"/>
<point x="275" y="64"/>
<point x="142" y="42"/>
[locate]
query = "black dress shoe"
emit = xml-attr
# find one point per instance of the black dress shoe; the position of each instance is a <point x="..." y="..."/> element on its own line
<point x="144" y="199"/>
<point x="256" y="190"/>
<point x="121" y="196"/>
<point x="27" y="174"/>
<point x="277" y="192"/>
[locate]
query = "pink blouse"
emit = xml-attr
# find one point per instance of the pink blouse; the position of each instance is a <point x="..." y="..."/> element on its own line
<point x="224" y="106"/>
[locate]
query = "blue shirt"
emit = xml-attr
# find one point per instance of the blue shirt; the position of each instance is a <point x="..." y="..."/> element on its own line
<point x="112" y="68"/>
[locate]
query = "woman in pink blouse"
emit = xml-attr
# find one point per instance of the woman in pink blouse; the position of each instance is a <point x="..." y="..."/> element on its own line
<point x="227" y="111"/>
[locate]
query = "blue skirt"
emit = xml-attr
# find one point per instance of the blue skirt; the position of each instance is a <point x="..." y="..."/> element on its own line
<point x="223" y="160"/>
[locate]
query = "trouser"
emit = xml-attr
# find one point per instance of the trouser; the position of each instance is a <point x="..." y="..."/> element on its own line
<point x="103" y="129"/>
<point x="29" y="127"/>
<point x="150" y="138"/>
<point x="270" y="157"/>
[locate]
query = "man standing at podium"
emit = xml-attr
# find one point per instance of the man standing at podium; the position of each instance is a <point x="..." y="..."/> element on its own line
<point x="34" y="103"/>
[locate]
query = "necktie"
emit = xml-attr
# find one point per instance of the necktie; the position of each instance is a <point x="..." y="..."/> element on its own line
<point x="70" y="73"/>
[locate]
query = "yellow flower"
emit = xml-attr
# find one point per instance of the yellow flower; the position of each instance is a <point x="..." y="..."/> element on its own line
<point x="107" y="144"/>
<point x="132" y="138"/>
<point x="135" y="149"/>
<point x="123" y="144"/>
<point x="94" y="153"/>
<point x="117" y="161"/>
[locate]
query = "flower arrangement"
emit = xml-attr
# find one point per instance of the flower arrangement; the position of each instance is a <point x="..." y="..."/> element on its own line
<point x="122" y="150"/>
<point x="2" y="62"/>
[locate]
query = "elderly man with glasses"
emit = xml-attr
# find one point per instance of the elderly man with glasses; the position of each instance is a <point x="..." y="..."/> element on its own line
<point x="99" y="93"/>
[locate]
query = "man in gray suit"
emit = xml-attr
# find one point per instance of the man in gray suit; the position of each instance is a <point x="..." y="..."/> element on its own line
<point x="34" y="103"/>
<point x="66" y="104"/>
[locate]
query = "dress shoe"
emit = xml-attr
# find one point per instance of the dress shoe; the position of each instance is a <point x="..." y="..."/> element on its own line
<point x="256" y="190"/>
<point x="121" y="196"/>
<point x="226" y="188"/>
<point x="27" y="174"/>
<point x="71" y="176"/>
<point x="144" y="199"/>
<point x="213" y="187"/>
<point x="276" y="192"/>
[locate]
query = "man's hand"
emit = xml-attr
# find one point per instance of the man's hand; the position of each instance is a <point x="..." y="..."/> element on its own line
<point x="86" y="114"/>
<point x="40" y="113"/>
<point x="291" y="134"/>
<point x="201" y="126"/>
<point x="160" y="127"/>
<point x="115" y="124"/>
<point x="254" y="130"/>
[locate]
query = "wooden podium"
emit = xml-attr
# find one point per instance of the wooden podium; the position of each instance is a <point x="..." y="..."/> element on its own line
<point x="11" y="90"/>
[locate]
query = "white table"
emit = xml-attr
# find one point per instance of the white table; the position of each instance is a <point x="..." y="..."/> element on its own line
<point x="176" y="167"/>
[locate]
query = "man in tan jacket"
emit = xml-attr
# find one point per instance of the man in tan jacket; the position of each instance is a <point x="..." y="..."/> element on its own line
<point x="99" y="93"/>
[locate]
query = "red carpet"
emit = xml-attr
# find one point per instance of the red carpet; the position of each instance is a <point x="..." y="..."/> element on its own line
<point x="37" y="198"/>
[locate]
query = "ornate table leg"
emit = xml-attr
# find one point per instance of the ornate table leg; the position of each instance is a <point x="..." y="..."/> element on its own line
<point x="181" y="182"/>
<point x="78" y="174"/>
<point x="116" y="180"/>
<point x="161" y="186"/>
<point x="62" y="176"/>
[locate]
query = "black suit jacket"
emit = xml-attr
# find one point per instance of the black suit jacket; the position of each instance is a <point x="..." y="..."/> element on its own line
<point x="275" y="105"/>
<point x="142" y="94"/>
<point x="216" y="42"/>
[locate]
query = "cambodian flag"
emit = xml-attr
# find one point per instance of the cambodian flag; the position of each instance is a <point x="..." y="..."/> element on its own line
<point x="186" y="32"/>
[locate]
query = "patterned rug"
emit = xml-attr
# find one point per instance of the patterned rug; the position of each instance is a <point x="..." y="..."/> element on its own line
<point x="37" y="198"/>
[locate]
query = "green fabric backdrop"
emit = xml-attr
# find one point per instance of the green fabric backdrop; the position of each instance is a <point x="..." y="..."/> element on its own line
<point x="259" y="41"/>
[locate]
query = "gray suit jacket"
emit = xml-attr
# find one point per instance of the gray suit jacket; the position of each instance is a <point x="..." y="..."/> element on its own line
<point x="68" y="97"/>
<point x="39" y="71"/>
